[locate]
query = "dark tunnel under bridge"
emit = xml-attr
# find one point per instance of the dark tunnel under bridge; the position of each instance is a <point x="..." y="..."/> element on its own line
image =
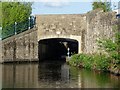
<point x="56" y="48"/>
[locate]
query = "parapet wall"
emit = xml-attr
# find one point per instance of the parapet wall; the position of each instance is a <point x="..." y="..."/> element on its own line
<point x="72" y="24"/>
<point x="21" y="47"/>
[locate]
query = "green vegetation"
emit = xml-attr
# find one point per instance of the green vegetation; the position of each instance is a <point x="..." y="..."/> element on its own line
<point x="0" y="14"/>
<point x="96" y="61"/>
<point x="14" y="12"/>
<point x="105" y="6"/>
<point x="112" y="48"/>
<point x="108" y="60"/>
<point x="101" y="62"/>
<point x="0" y="19"/>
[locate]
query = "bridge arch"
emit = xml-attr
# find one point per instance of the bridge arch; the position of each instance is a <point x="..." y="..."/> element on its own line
<point x="56" y="47"/>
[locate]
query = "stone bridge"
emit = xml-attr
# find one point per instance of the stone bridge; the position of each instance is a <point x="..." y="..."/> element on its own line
<point x="54" y="34"/>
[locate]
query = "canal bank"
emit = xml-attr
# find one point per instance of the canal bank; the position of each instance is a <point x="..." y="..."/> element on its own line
<point x="97" y="62"/>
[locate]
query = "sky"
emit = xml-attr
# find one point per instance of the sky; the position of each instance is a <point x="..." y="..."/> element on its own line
<point x="62" y="7"/>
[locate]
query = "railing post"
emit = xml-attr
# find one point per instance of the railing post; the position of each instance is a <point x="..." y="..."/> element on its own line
<point x="15" y="28"/>
<point x="29" y="23"/>
<point x="34" y="19"/>
<point x="1" y="35"/>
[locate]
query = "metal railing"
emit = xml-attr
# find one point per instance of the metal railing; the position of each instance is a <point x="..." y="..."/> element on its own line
<point x="18" y="27"/>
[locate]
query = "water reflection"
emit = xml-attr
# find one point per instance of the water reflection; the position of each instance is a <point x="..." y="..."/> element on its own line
<point x="15" y="76"/>
<point x="54" y="75"/>
<point x="0" y="76"/>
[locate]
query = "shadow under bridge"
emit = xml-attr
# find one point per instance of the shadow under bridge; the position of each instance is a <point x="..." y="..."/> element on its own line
<point x="56" y="48"/>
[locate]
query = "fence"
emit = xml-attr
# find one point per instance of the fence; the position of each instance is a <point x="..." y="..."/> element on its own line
<point x="19" y="27"/>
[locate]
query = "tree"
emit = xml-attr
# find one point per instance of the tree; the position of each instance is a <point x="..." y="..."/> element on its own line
<point x="14" y="12"/>
<point x="0" y="14"/>
<point x="105" y="6"/>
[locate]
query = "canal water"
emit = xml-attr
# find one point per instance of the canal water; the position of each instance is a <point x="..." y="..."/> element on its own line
<point x="54" y="75"/>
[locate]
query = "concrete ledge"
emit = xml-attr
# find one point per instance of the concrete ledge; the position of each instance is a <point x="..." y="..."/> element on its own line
<point x="20" y="61"/>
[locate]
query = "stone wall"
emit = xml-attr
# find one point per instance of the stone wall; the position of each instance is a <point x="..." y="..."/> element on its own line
<point x="1" y="60"/>
<point x="66" y="24"/>
<point x="99" y="26"/>
<point x="88" y="27"/>
<point x="91" y="26"/>
<point x="21" y="47"/>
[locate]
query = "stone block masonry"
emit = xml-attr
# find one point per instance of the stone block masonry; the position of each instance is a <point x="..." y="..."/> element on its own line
<point x="88" y="28"/>
<point x="99" y="25"/>
<point x="21" y="47"/>
<point x="91" y="26"/>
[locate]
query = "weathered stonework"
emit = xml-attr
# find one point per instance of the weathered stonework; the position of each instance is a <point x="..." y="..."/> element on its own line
<point x="85" y="28"/>
<point x="21" y="47"/>
<point x="70" y="26"/>
<point x="91" y="26"/>
<point x="99" y="25"/>
<point x="66" y="24"/>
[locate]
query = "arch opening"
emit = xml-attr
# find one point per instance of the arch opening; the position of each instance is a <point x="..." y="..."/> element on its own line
<point x="56" y="48"/>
